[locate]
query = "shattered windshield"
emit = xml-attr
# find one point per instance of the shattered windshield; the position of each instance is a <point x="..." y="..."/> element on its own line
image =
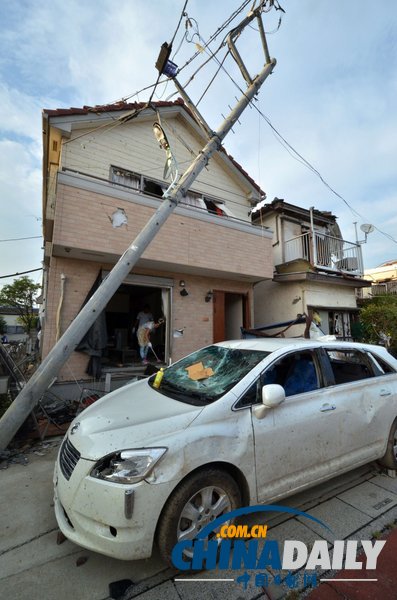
<point x="207" y="374"/>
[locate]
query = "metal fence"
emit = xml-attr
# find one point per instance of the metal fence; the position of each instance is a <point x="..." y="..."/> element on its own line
<point x="325" y="252"/>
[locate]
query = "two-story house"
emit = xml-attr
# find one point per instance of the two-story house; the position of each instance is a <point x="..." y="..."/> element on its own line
<point x="383" y="279"/>
<point x="315" y="270"/>
<point x="102" y="180"/>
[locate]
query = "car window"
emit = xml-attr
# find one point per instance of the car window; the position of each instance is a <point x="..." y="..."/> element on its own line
<point x="251" y="396"/>
<point x="206" y="375"/>
<point x="349" y="365"/>
<point x="296" y="373"/>
<point x="381" y="366"/>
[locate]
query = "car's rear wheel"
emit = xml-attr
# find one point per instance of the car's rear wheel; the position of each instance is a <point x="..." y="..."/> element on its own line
<point x="389" y="460"/>
<point x="198" y="501"/>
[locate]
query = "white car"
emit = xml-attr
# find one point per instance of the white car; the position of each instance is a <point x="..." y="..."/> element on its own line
<point x="233" y="424"/>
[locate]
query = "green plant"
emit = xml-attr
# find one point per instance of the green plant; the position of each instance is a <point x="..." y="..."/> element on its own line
<point x="21" y="294"/>
<point x="3" y="325"/>
<point x="378" y="319"/>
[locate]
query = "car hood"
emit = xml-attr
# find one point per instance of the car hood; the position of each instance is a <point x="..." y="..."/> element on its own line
<point x="134" y="416"/>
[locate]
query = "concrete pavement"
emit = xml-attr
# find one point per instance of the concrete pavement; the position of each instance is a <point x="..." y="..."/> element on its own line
<point x="33" y="566"/>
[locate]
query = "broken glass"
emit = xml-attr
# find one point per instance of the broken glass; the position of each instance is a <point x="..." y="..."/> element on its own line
<point x="208" y="374"/>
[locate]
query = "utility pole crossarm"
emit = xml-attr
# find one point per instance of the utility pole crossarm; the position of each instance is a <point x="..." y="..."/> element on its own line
<point x="44" y="376"/>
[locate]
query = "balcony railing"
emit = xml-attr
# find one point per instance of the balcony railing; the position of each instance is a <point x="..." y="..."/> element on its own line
<point x="379" y="289"/>
<point x="325" y="252"/>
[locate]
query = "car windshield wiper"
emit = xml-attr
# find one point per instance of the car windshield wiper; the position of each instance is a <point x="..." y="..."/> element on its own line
<point x="182" y="393"/>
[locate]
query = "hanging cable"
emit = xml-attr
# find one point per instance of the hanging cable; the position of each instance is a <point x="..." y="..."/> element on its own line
<point x="33" y="237"/>
<point x="21" y="273"/>
<point x="303" y="160"/>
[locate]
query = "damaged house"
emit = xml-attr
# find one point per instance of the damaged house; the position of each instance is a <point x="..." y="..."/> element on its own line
<point x="315" y="271"/>
<point x="103" y="178"/>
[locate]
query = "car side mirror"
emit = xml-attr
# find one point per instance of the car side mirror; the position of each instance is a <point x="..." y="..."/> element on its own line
<point x="272" y="395"/>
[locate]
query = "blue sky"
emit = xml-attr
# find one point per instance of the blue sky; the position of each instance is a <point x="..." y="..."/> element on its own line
<point x="332" y="96"/>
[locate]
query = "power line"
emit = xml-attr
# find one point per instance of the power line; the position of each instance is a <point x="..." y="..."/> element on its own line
<point x="34" y="237"/>
<point x="133" y="114"/>
<point x="211" y="39"/>
<point x="295" y="154"/>
<point x="21" y="273"/>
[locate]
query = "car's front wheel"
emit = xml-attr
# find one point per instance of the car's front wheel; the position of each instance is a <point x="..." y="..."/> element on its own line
<point x="389" y="460"/>
<point x="198" y="501"/>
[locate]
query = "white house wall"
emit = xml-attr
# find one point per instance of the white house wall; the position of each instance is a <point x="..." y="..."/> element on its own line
<point x="278" y="302"/>
<point x="132" y="146"/>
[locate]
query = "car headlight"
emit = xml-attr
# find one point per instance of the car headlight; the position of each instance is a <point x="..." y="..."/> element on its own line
<point x="127" y="466"/>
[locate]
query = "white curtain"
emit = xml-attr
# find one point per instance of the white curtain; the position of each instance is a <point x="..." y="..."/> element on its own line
<point x="194" y="200"/>
<point x="224" y="208"/>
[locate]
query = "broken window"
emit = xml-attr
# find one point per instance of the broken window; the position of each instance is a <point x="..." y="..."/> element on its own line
<point x="208" y="374"/>
<point x="154" y="188"/>
<point x="157" y="188"/>
<point x="349" y="365"/>
<point x="124" y="177"/>
<point x="381" y="366"/>
<point x="194" y="199"/>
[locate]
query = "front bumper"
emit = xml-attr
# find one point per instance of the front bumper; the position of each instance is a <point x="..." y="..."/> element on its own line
<point x="94" y="514"/>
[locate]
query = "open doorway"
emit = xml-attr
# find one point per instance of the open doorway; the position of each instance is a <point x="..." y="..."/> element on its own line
<point x="121" y="311"/>
<point x="230" y="313"/>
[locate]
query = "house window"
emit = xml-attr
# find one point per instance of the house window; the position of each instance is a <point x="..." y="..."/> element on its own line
<point x="13" y="329"/>
<point x="217" y="207"/>
<point x="194" y="199"/>
<point x="153" y="188"/>
<point x="157" y="188"/>
<point x="127" y="178"/>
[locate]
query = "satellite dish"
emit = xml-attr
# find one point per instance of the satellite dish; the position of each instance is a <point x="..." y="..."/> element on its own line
<point x="367" y="228"/>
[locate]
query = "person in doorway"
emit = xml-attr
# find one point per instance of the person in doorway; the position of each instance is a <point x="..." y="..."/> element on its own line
<point x="144" y="316"/>
<point x="143" y="335"/>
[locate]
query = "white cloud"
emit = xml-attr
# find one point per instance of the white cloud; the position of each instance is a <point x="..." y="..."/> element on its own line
<point x="332" y="94"/>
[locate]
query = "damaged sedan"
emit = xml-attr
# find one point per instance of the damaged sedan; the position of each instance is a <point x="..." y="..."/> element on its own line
<point x="233" y="424"/>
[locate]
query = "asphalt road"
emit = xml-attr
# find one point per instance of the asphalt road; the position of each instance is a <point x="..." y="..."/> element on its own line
<point x="34" y="566"/>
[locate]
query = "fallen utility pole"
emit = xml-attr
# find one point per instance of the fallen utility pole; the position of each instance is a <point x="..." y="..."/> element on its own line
<point x="27" y="399"/>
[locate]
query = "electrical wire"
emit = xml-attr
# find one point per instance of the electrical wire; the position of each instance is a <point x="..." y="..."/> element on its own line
<point x="136" y="112"/>
<point x="211" y="39"/>
<point x="172" y="41"/>
<point x="21" y="273"/>
<point x="33" y="237"/>
<point x="295" y="154"/>
<point x="217" y="32"/>
<point x="212" y="79"/>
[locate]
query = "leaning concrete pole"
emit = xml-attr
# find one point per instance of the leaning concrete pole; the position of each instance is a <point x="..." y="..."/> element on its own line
<point x="24" y="403"/>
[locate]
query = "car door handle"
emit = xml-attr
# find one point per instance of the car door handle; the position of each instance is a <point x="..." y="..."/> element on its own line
<point x="385" y="392"/>
<point x="327" y="407"/>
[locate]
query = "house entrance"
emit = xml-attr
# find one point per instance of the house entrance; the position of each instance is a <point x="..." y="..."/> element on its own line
<point x="121" y="312"/>
<point x="230" y="313"/>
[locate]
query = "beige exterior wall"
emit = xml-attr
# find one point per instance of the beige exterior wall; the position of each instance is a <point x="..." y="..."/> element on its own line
<point x="190" y="313"/>
<point x="133" y="147"/>
<point x="83" y="222"/>
<point x="277" y="302"/>
<point x="207" y="251"/>
<point x="382" y="273"/>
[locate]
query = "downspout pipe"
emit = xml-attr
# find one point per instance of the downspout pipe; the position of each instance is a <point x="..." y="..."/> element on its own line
<point x="59" y="309"/>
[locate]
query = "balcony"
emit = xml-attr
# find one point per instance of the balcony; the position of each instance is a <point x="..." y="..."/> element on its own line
<point x="379" y="289"/>
<point x="325" y="253"/>
<point x="192" y="241"/>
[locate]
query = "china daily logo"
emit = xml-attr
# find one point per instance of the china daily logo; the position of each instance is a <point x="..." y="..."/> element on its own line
<point x="240" y="547"/>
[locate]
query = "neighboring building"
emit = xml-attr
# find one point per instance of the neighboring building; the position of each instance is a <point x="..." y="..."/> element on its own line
<point x="383" y="279"/>
<point x="102" y="181"/>
<point x="15" y="331"/>
<point x="315" y="269"/>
